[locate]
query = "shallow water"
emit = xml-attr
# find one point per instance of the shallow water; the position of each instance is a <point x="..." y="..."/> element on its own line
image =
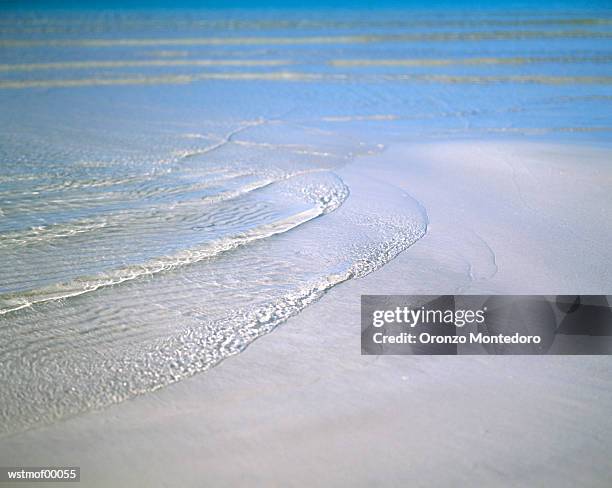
<point x="174" y="186"/>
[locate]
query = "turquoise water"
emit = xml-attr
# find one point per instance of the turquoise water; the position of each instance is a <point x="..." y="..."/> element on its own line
<point x="174" y="184"/>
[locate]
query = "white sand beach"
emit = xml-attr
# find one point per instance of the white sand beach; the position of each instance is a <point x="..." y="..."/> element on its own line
<point x="301" y="406"/>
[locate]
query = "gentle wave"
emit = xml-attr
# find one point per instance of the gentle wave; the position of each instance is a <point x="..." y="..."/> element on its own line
<point x="58" y="25"/>
<point x="169" y="63"/>
<point x="139" y="336"/>
<point x="11" y="303"/>
<point x="356" y="39"/>
<point x="324" y="199"/>
<point x="302" y="77"/>
<point x="245" y="183"/>
<point x="417" y="62"/>
<point x="169" y="79"/>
